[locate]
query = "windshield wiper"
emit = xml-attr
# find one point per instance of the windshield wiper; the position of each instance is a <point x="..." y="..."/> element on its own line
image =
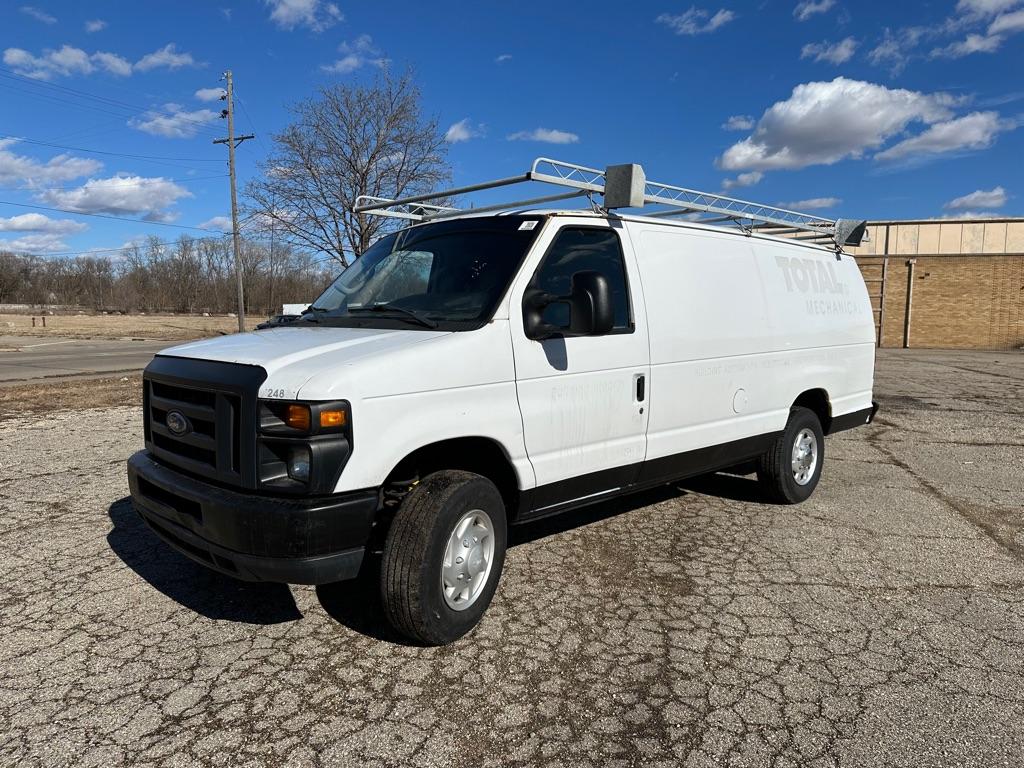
<point x="312" y="314"/>
<point x="409" y="313"/>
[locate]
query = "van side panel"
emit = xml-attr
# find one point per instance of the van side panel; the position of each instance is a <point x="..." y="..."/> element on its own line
<point x="738" y="330"/>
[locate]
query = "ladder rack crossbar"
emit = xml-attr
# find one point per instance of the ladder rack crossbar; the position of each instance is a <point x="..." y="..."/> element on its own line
<point x="448" y="213"/>
<point x="382" y="206"/>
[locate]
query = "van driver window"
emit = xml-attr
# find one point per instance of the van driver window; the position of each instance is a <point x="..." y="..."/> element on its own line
<point x="580" y="250"/>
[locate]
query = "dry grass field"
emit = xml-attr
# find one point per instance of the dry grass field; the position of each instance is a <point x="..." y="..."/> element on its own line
<point x="74" y="394"/>
<point x="161" y="327"/>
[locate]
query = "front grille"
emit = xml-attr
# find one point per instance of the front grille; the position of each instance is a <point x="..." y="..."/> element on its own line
<point x="219" y="402"/>
<point x="210" y="446"/>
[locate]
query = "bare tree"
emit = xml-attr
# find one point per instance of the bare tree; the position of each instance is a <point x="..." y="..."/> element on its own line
<point x="348" y="140"/>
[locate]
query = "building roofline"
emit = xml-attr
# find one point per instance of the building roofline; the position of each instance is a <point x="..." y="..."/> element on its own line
<point x="994" y="220"/>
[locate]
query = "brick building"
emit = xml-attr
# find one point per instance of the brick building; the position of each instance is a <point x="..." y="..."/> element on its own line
<point x="955" y="283"/>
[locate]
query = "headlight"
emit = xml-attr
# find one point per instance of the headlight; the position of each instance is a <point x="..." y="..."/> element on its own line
<point x="298" y="465"/>
<point x="303" y="446"/>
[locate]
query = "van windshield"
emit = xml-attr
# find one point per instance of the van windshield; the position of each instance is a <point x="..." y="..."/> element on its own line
<point x="449" y="275"/>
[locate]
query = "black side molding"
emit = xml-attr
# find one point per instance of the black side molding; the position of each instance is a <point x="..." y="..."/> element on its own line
<point x="855" y="419"/>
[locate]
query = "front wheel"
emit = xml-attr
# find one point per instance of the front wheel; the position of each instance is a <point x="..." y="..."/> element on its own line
<point x="789" y="470"/>
<point x="443" y="557"/>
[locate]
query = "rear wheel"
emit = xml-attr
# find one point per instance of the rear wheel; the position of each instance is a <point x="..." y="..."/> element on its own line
<point x="443" y="557"/>
<point x="789" y="470"/>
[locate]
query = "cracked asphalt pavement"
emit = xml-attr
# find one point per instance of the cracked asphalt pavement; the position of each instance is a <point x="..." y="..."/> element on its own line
<point x="879" y="623"/>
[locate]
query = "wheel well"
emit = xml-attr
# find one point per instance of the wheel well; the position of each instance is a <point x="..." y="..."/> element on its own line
<point x="817" y="401"/>
<point x="479" y="455"/>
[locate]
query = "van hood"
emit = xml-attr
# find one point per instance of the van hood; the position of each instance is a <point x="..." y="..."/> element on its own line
<point x="279" y="348"/>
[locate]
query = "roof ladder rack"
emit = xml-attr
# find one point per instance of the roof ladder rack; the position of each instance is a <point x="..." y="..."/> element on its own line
<point x="626" y="186"/>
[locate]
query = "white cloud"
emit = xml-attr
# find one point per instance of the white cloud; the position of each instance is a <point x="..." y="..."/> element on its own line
<point x="547" y="135"/>
<point x="37" y="222"/>
<point x="173" y="122"/>
<point x="36" y="243"/>
<point x="1008" y="23"/>
<point x="20" y="169"/>
<point x="812" y="204"/>
<point x="357" y="54"/>
<point x="834" y="53"/>
<point x="312" y="14"/>
<point x="68" y="60"/>
<point x="463" y="130"/>
<point x="209" y="94"/>
<point x="112" y="63"/>
<point x="65" y="61"/>
<point x="981" y="198"/>
<point x="803" y="11"/>
<point x="985" y="7"/>
<point x="501" y="59"/>
<point x="95" y="25"/>
<point x="824" y="122"/>
<point x="167" y="57"/>
<point x="220" y="223"/>
<point x="1003" y="26"/>
<point x="973" y="43"/>
<point x="696" y="21"/>
<point x="748" y="179"/>
<point x="120" y="196"/>
<point x="978" y="130"/>
<point x="738" y="123"/>
<point x="896" y="49"/>
<point x="38" y="15"/>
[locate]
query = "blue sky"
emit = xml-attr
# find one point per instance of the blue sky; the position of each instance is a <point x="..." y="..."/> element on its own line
<point x="867" y="109"/>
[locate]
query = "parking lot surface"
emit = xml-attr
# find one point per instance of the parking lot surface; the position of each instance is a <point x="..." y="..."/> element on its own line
<point x="879" y="623"/>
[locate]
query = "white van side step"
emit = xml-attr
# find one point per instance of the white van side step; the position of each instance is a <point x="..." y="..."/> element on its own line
<point x="626" y="186"/>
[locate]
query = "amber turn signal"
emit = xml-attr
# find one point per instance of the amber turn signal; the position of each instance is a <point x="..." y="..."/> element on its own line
<point x="332" y="419"/>
<point x="297" y="416"/>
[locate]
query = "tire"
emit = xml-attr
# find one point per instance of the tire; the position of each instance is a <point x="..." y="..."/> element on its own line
<point x="416" y="601"/>
<point x="785" y="476"/>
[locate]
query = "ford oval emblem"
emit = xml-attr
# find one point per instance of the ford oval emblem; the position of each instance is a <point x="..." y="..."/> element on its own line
<point x="178" y="423"/>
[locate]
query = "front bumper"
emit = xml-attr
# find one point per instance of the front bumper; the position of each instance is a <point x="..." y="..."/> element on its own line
<point x="254" y="537"/>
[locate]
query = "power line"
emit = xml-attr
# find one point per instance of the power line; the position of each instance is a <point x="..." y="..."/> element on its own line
<point x="252" y="124"/>
<point x="113" y="154"/>
<point x="109" y="182"/>
<point x="107" y="216"/>
<point x="132" y="109"/>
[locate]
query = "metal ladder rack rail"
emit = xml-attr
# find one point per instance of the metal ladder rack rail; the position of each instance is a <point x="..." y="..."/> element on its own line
<point x="680" y="200"/>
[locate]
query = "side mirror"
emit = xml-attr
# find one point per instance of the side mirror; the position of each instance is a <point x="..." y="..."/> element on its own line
<point x="590" y="309"/>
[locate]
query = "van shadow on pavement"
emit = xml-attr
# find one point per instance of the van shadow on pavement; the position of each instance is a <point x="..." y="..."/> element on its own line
<point x="194" y="586"/>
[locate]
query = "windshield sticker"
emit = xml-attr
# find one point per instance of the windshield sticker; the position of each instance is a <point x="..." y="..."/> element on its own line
<point x="527" y="225"/>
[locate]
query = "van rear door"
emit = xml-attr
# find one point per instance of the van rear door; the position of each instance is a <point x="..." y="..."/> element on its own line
<point x="583" y="399"/>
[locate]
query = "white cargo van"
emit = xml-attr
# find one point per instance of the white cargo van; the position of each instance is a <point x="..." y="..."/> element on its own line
<point x="475" y="371"/>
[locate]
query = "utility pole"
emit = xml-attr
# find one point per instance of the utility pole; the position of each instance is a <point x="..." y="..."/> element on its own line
<point x="233" y="141"/>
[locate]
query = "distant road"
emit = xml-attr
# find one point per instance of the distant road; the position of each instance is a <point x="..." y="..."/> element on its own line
<point x="31" y="357"/>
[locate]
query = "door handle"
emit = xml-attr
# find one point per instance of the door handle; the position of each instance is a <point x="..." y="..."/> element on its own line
<point x="641" y="387"/>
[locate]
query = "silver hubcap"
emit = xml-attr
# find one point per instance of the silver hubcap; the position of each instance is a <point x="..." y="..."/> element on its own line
<point x="467" y="560"/>
<point x="805" y="456"/>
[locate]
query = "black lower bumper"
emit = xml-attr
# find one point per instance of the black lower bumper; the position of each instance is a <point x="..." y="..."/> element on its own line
<point x="254" y="537"/>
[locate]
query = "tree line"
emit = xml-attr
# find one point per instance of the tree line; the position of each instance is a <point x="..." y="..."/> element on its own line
<point x="190" y="275"/>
